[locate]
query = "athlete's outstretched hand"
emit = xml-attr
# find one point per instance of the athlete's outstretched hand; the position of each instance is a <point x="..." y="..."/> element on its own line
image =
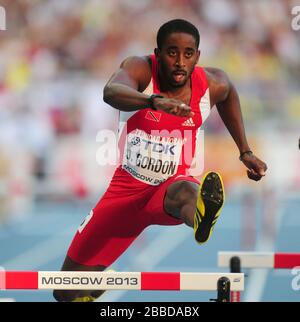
<point x="256" y="168"/>
<point x="173" y="106"/>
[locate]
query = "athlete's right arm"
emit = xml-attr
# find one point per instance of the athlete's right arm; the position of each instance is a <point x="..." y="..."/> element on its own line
<point x="124" y="89"/>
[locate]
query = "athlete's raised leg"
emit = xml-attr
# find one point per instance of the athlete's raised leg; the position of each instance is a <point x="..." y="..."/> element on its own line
<point x="198" y="206"/>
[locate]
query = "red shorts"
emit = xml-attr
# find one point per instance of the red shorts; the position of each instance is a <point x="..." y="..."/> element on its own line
<point x="125" y="210"/>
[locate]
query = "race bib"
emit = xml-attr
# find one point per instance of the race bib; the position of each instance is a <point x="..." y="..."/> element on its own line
<point x="151" y="158"/>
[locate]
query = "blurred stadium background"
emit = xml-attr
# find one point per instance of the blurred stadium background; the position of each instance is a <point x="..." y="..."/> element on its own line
<point x="55" y="58"/>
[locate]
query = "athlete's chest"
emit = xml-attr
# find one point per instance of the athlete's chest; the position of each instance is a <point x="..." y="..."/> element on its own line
<point x="150" y="120"/>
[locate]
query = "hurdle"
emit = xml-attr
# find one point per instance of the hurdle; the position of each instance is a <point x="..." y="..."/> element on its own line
<point x="236" y="261"/>
<point x="223" y="283"/>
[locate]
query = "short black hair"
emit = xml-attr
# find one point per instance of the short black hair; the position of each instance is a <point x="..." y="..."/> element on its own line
<point x="176" y="25"/>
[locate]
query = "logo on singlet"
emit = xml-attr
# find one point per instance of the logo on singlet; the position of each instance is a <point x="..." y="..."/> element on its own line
<point x="153" y="116"/>
<point x="136" y="140"/>
<point x="188" y="122"/>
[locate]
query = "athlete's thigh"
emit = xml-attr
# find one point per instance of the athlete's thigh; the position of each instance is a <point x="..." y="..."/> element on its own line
<point x="157" y="206"/>
<point x="107" y="232"/>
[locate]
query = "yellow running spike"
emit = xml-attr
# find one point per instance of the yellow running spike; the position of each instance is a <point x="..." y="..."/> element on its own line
<point x="211" y="197"/>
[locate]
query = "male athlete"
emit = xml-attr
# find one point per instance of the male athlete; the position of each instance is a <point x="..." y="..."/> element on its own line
<point x="170" y="98"/>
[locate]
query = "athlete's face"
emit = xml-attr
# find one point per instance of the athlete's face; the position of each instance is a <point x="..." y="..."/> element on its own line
<point x="177" y="58"/>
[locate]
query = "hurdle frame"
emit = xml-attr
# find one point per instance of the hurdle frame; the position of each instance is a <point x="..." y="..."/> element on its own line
<point x="237" y="260"/>
<point x="223" y="283"/>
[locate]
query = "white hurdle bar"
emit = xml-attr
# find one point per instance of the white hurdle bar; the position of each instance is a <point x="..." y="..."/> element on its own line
<point x="66" y="280"/>
<point x="260" y="259"/>
<point x="143" y="281"/>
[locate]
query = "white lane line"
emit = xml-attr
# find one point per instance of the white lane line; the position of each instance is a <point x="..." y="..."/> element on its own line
<point x="41" y="254"/>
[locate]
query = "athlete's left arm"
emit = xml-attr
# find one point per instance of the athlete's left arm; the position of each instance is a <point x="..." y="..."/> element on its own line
<point x="223" y="94"/>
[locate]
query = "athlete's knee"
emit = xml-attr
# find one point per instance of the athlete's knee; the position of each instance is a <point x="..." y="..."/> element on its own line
<point x="186" y="193"/>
